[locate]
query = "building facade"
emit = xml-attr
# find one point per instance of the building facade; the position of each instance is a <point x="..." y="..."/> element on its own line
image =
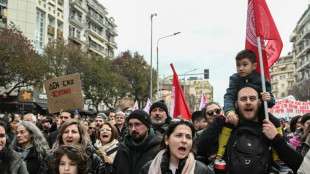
<point x="282" y="77"/>
<point x="83" y="22"/>
<point x="301" y="48"/>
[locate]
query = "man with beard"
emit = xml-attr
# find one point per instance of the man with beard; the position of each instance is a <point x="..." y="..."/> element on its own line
<point x="159" y="117"/>
<point x="139" y="146"/>
<point x="263" y="135"/>
<point x="46" y="125"/>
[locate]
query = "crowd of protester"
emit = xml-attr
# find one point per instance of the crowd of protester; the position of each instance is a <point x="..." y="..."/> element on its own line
<point x="236" y="139"/>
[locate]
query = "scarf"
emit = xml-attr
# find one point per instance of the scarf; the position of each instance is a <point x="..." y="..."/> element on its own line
<point x="157" y="166"/>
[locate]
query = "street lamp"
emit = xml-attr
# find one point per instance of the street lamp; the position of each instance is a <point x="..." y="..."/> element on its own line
<point x="185" y="79"/>
<point x="151" y="78"/>
<point x="157" y="58"/>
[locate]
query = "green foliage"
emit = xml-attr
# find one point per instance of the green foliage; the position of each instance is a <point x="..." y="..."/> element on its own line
<point x="137" y="74"/>
<point x="20" y="64"/>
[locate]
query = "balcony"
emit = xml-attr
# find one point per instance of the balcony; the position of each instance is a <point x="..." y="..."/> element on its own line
<point x="78" y="5"/>
<point x="59" y="34"/>
<point x="303" y="51"/>
<point x="303" y="66"/>
<point x="293" y="37"/>
<point x="98" y="34"/>
<point x="274" y="81"/>
<point x="50" y="30"/>
<point x="97" y="48"/>
<point x="96" y="19"/>
<point x="78" y="21"/>
<point x="98" y="8"/>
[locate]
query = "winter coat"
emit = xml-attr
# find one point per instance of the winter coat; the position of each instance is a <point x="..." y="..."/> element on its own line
<point x="306" y="146"/>
<point x="131" y="158"/>
<point x="209" y="138"/>
<point x="162" y="129"/>
<point x="187" y="166"/>
<point x="121" y="133"/>
<point x="305" y="165"/>
<point x="110" y="149"/>
<point x="32" y="161"/>
<point x="16" y="164"/>
<point x="51" y="139"/>
<point x="236" y="82"/>
<point x="95" y="165"/>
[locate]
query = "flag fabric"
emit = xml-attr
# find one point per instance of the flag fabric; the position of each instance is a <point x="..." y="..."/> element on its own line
<point x="148" y="106"/>
<point x="203" y="101"/>
<point x="260" y="24"/>
<point x="135" y="107"/>
<point x="178" y="107"/>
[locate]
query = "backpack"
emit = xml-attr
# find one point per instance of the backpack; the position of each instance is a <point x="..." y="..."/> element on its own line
<point x="248" y="151"/>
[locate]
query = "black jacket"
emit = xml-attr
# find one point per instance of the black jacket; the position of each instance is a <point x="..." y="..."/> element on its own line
<point x="200" y="168"/>
<point x="95" y="165"/>
<point x="33" y="162"/>
<point x="51" y="139"/>
<point x="123" y="160"/>
<point x="236" y="82"/>
<point x="209" y="138"/>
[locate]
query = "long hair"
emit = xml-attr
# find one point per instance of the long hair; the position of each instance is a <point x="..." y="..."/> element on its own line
<point x="173" y="124"/>
<point x="114" y="133"/>
<point x="38" y="140"/>
<point x="84" y="137"/>
<point x="204" y="109"/>
<point x="74" y="153"/>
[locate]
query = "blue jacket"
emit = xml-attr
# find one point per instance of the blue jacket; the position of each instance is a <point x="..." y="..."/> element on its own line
<point x="236" y="82"/>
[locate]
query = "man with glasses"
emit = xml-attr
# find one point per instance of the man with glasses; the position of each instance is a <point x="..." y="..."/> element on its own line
<point x="139" y="146"/>
<point x="262" y="134"/>
<point x="120" y="125"/>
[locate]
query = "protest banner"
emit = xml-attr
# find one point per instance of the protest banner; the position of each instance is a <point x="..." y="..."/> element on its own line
<point x="289" y="107"/>
<point x="64" y="92"/>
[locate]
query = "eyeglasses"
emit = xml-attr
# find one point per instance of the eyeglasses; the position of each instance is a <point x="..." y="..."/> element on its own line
<point x="105" y="130"/>
<point x="136" y="125"/>
<point x="92" y="128"/>
<point x="210" y="112"/>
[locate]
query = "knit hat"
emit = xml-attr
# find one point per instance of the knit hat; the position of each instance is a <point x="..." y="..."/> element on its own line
<point x="141" y="115"/>
<point x="160" y="104"/>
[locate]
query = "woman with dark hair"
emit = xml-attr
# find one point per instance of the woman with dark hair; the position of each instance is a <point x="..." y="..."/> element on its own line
<point x="296" y="131"/>
<point x="177" y="152"/>
<point x="70" y="159"/>
<point x="107" y="143"/>
<point x="73" y="132"/>
<point x="11" y="162"/>
<point x="31" y="144"/>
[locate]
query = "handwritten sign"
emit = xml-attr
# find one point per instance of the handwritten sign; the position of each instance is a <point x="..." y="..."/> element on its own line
<point x="289" y="108"/>
<point x="64" y="92"/>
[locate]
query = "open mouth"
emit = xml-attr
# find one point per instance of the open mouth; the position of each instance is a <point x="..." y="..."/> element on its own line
<point x="69" y="141"/>
<point x="105" y="136"/>
<point x="248" y="110"/>
<point x="182" y="149"/>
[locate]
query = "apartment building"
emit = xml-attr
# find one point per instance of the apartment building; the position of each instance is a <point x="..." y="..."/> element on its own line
<point x="84" y="22"/>
<point x="301" y="47"/>
<point x="282" y="77"/>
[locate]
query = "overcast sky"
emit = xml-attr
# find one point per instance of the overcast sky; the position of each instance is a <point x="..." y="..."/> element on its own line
<point x="212" y="33"/>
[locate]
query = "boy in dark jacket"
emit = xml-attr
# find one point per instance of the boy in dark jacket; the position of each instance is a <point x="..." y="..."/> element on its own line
<point x="246" y="65"/>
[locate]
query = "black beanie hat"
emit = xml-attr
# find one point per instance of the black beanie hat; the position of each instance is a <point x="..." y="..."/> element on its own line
<point x="141" y="115"/>
<point x="160" y="104"/>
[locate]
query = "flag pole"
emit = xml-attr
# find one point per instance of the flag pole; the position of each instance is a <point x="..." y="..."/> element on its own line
<point x="262" y="75"/>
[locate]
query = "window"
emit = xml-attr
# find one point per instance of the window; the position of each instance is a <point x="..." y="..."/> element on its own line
<point x="282" y="77"/>
<point x="39" y="31"/>
<point x="282" y="85"/>
<point x="282" y="94"/>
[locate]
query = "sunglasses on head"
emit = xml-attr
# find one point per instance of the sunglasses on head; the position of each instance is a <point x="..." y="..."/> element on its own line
<point x="211" y="112"/>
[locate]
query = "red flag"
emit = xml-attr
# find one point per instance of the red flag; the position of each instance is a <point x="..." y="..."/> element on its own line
<point x="179" y="107"/>
<point x="260" y="24"/>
